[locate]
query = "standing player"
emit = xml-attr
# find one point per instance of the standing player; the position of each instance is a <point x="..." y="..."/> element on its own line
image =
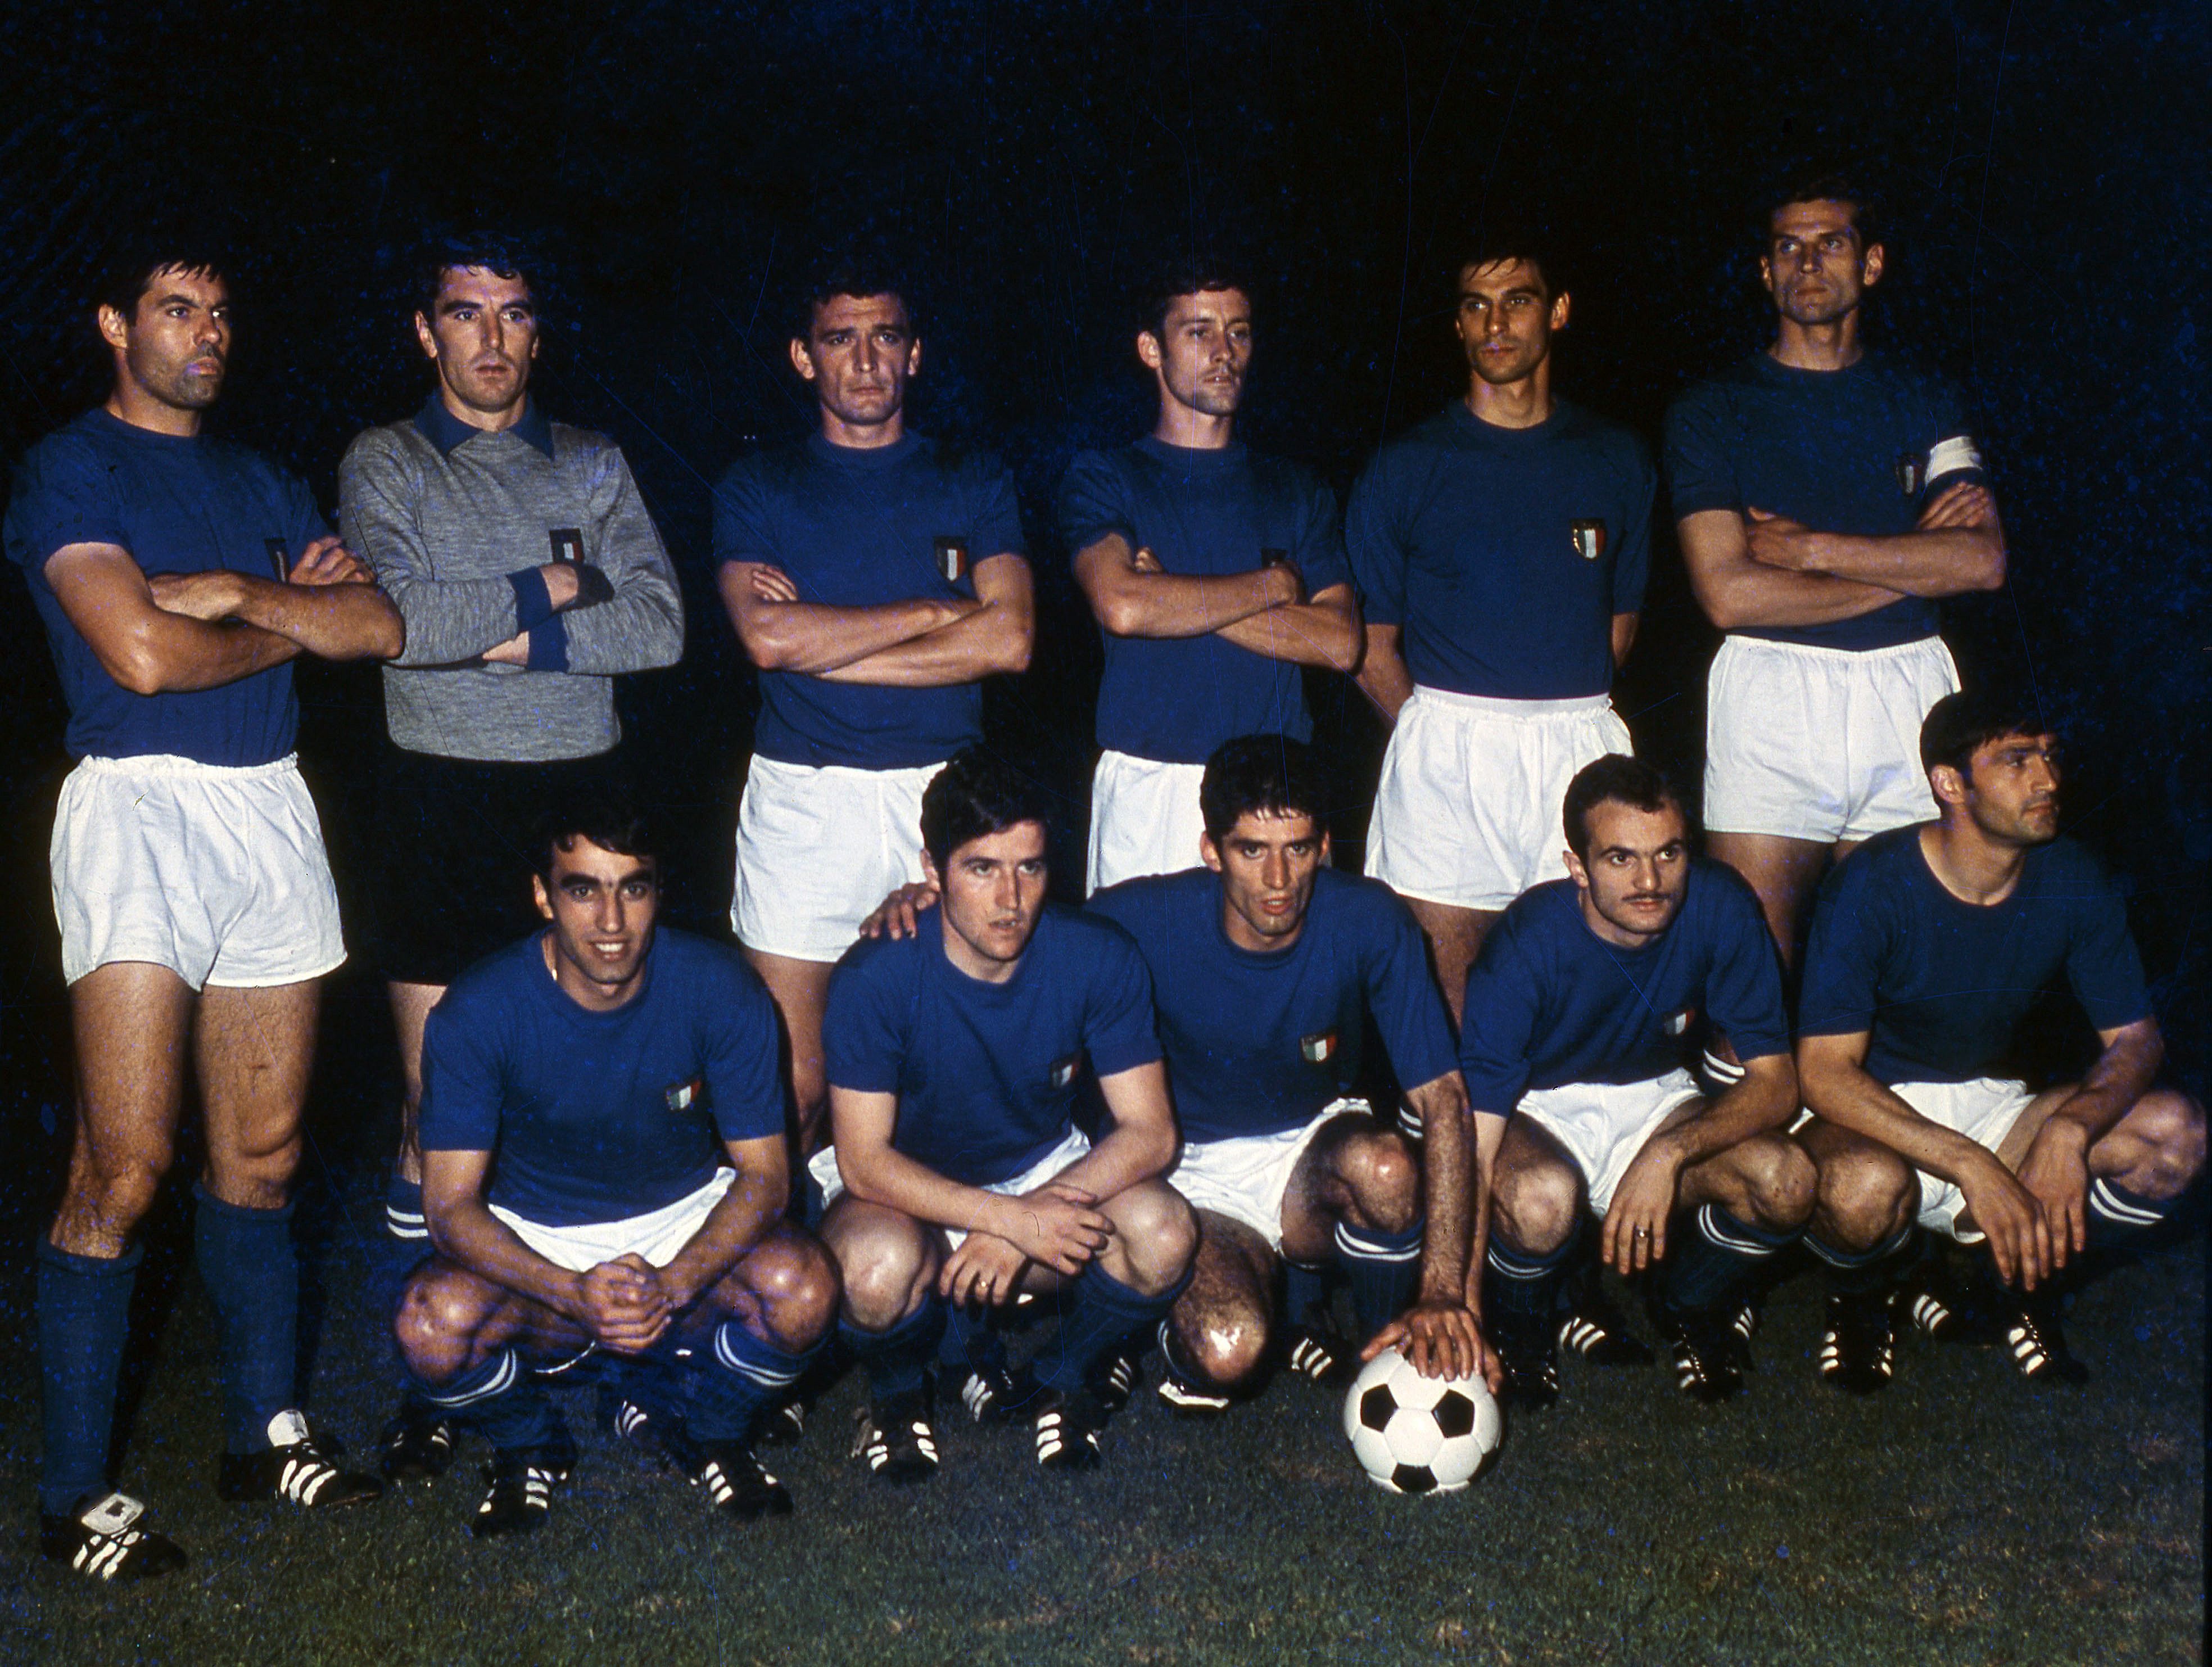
<point x="1575" y="1019"/>
<point x="530" y="575"/>
<point x="604" y="1167"/>
<point x="177" y="577"/>
<point x="1264" y="965"/>
<point x="1198" y="558"/>
<point x="1927" y="947"/>
<point x="1826" y="498"/>
<point x="874" y="580"/>
<point x="1500" y="548"/>
<point x="957" y="1175"/>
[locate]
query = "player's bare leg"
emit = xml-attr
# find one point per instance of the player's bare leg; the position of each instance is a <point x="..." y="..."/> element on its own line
<point x="1863" y="1232"/>
<point x="800" y="990"/>
<point x="1454" y="937"/>
<point x="890" y="1319"/>
<point x="1784" y="873"/>
<point x="411" y="1011"/>
<point x="1355" y="1197"/>
<point x="1218" y="1330"/>
<point x="130" y="1021"/>
<point x="1537" y="1209"/>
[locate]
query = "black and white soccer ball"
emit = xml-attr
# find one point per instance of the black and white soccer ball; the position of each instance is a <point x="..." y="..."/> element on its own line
<point x="1418" y="1435"/>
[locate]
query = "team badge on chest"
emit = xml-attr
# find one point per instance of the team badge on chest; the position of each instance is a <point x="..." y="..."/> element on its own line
<point x="1318" y="1048"/>
<point x="1063" y="1071"/>
<point x="1911" y="473"/>
<point x="951" y="558"/>
<point x="685" y="1095"/>
<point x="1590" y="539"/>
<point x="1678" y="1024"/>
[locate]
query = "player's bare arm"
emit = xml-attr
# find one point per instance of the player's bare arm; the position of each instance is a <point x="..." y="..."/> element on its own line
<point x="751" y="1206"/>
<point x="782" y="633"/>
<point x="329" y="604"/>
<point x="1442" y="1333"/>
<point x="1837" y="1088"/>
<point x="995" y="636"/>
<point x="1142" y="1143"/>
<point x="1635" y="1231"/>
<point x="1736" y="590"/>
<point x="2056" y="1168"/>
<point x="1958" y="546"/>
<point x="1624" y="637"/>
<point x="146" y="647"/>
<point x="1129" y="600"/>
<point x="1324" y="632"/>
<point x="1383" y="674"/>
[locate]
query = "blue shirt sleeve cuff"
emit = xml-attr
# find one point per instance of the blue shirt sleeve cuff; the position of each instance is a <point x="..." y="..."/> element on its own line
<point x="533" y="603"/>
<point x="549" y="645"/>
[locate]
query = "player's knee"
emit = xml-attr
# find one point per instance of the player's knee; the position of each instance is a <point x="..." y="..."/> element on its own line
<point x="120" y="1195"/>
<point x="1385" y="1179"/>
<point x="797" y="1283"/>
<point x="885" y="1278"/>
<point x="1537" y="1206"/>
<point x="2172" y="1127"/>
<point x="1785" y="1181"/>
<point x="437" y="1321"/>
<point x="1156" y="1235"/>
<point x="1866" y="1195"/>
<point x="1224" y="1348"/>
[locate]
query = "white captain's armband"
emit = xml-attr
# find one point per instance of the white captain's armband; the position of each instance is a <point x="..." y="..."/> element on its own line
<point x="1949" y="457"/>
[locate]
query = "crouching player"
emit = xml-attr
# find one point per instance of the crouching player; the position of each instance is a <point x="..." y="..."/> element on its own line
<point x="1264" y="962"/>
<point x="604" y="1168"/>
<point x="957" y="1175"/>
<point x="1927" y="947"/>
<point x="1578" y="1013"/>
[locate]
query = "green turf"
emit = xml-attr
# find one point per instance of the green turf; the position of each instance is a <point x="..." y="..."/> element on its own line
<point x="1961" y="1517"/>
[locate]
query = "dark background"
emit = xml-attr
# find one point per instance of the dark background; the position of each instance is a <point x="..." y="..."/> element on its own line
<point x="2041" y="168"/>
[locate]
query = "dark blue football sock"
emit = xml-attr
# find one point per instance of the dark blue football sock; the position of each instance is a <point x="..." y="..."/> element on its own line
<point x="84" y="1318"/>
<point x="2120" y="1219"/>
<point x="1305" y="1290"/>
<point x="1385" y="1271"/>
<point x="1714" y="1259"/>
<point x="399" y="1244"/>
<point x="737" y="1379"/>
<point x="973" y="1341"/>
<point x="896" y="1360"/>
<point x="251" y="1273"/>
<point x="1099" y="1313"/>
<point x="501" y="1398"/>
<point x="1522" y="1285"/>
<point x="1862" y="1272"/>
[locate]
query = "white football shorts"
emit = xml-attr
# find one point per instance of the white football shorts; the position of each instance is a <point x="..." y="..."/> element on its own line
<point x="1467" y="811"/>
<point x="657" y="1235"/>
<point x="1984" y="1110"/>
<point x="1145" y="819"/>
<point x="1603" y="1125"/>
<point x="214" y="871"/>
<point x="818" y="847"/>
<point x="1245" y="1177"/>
<point x="1820" y="744"/>
<point x="823" y="1166"/>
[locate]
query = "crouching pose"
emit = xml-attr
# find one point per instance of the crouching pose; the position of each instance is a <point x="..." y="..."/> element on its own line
<point x="1265" y="963"/>
<point x="1927" y="947"/>
<point x="604" y="1168"/>
<point x="957" y="1175"/>
<point x="1578" y="1013"/>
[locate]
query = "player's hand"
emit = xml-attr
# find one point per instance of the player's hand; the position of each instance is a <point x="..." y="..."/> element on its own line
<point x="209" y="596"/>
<point x="626" y="1308"/>
<point x="893" y="915"/>
<point x="986" y="1268"/>
<point x="1056" y="1225"/>
<point x="773" y="584"/>
<point x="2009" y="1217"/>
<point x="1779" y="542"/>
<point x="1143" y="561"/>
<point x="515" y="651"/>
<point x="327" y="561"/>
<point x="1441" y="1340"/>
<point x="1963" y="504"/>
<point x="2055" y="1173"/>
<point x="1635" y="1232"/>
<point x="1289" y="584"/>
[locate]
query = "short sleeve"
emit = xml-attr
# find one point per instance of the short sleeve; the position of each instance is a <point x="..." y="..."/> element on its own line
<point x="997" y="526"/>
<point x="1632" y="569"/>
<point x="744" y="1055"/>
<point x="1700" y="466"/>
<point x="1118" y="1029"/>
<point x="303" y="516"/>
<point x="1319" y="557"/>
<point x="1844" y="956"/>
<point x="2102" y="964"/>
<point x="63" y="494"/>
<point x="463" y="1077"/>
<point x="864" y="1028"/>
<point x="1403" y="997"/>
<point x="742" y="532"/>
<point x="1373" y="546"/>
<point x="1497" y="1024"/>
<point x="1093" y="501"/>
<point x="1743" y="991"/>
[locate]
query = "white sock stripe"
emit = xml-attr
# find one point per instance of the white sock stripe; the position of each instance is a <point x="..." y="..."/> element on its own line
<point x="1507" y="1264"/>
<point x="1351" y="1244"/>
<point x="760" y="1372"/>
<point x="1709" y="1220"/>
<point x="2110" y="1205"/>
<point x="502" y="1380"/>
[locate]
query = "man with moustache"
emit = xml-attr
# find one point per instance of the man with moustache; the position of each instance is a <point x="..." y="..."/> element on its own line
<point x="177" y="577"/>
<point x="1214" y="572"/>
<point x="874" y="580"/>
<point x="530" y="576"/>
<point x="1826" y="498"/>
<point x="1500" y="548"/>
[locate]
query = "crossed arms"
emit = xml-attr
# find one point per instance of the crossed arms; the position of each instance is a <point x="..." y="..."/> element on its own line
<point x="925" y="643"/>
<point x="1265" y="609"/>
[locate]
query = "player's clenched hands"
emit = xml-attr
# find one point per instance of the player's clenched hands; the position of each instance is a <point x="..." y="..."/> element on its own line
<point x="894" y="915"/>
<point x="773" y="584"/>
<point x="2010" y="1216"/>
<point x="1635" y="1232"/>
<point x="1056" y="1225"/>
<point x="1441" y="1340"/>
<point x="626" y="1307"/>
<point x="985" y="1268"/>
<point x="1961" y="504"/>
<point x="2056" y="1174"/>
